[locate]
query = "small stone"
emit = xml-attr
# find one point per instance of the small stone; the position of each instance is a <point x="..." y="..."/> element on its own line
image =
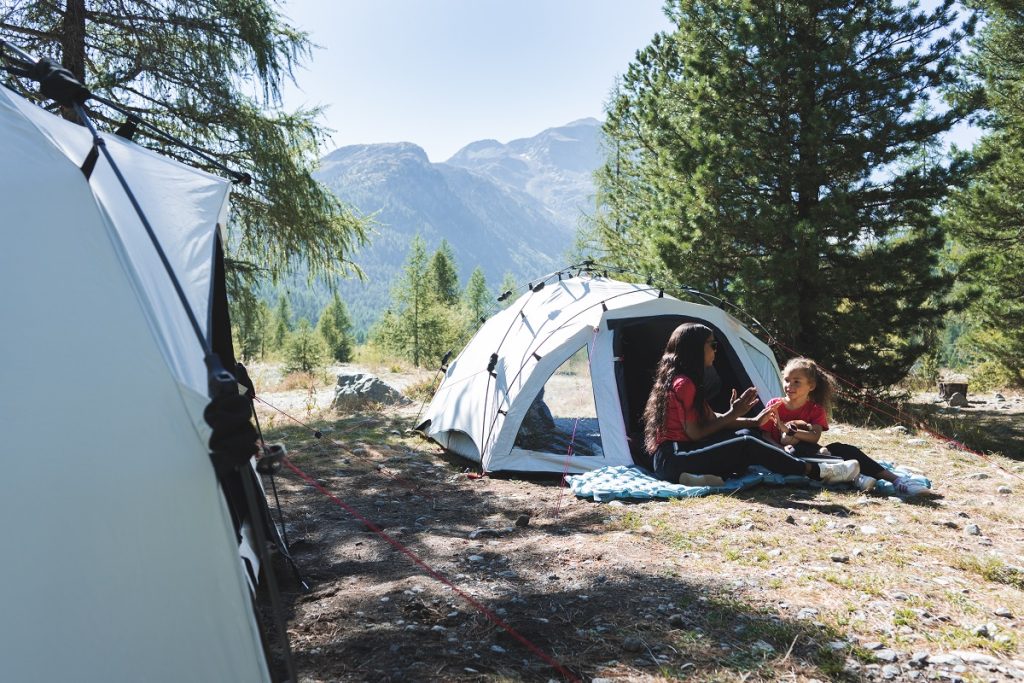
<point x="957" y="400"/>
<point x="632" y="644"/>
<point x="972" y="530"/>
<point x="1004" y="490"/>
<point x="790" y="519"/>
<point x="918" y="660"/>
<point x="761" y="646"/>
<point x="837" y="645"/>
<point x="476" y="559"/>
<point x="985" y="630"/>
<point x="976" y="658"/>
<point x="873" y="646"/>
<point x="437" y="628"/>
<point x="677" y="620"/>
<point x="886" y="655"/>
<point x="840" y="558"/>
<point x="890" y="671"/>
<point x="498" y="649"/>
<point x="1003" y="612"/>
<point x="807" y="613"/>
<point x="523" y="521"/>
<point x="916" y="442"/>
<point x="774" y="552"/>
<point x="868" y="530"/>
<point x="945" y="660"/>
<point x="977" y="475"/>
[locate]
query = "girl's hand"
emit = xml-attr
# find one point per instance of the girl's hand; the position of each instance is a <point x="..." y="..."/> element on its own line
<point x="767" y="416"/>
<point x="798" y="426"/>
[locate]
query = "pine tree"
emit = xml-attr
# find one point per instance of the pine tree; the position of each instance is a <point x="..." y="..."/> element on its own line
<point x="335" y="326"/>
<point x="771" y="153"/>
<point x="508" y="284"/>
<point x="477" y="299"/>
<point x="250" y="326"/>
<point x="415" y="325"/>
<point x="304" y="349"/>
<point x="282" y="324"/>
<point x="444" y="277"/>
<point x="209" y="72"/>
<point x="988" y="217"/>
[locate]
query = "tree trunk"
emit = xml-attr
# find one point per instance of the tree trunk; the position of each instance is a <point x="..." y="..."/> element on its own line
<point x="72" y="45"/>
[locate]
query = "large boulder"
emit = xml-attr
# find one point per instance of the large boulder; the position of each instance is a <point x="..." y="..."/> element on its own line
<point x="361" y="389"/>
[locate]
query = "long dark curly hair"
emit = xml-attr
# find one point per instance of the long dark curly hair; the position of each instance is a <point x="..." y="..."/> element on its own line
<point x="684" y="355"/>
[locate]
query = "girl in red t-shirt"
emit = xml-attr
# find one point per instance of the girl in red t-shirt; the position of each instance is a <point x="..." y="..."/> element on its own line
<point x="685" y="437"/>
<point x="801" y="417"/>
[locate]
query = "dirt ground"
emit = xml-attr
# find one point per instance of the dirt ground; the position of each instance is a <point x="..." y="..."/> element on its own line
<point x="420" y="571"/>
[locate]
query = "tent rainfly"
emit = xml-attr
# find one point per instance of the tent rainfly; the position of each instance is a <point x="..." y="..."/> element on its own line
<point x="125" y="557"/>
<point x="557" y="382"/>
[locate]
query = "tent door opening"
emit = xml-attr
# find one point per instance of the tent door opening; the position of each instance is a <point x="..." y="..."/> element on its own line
<point x="563" y="414"/>
<point x="638" y="344"/>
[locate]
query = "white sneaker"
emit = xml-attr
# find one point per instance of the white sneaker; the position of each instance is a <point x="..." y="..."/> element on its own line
<point x="836" y="472"/>
<point x="865" y="483"/>
<point x="687" y="479"/>
<point x="908" y="487"/>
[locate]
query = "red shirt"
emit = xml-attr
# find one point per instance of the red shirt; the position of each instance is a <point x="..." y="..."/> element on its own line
<point x="679" y="410"/>
<point x="809" y="412"/>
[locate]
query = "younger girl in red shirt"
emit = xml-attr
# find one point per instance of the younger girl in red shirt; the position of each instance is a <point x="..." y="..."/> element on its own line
<point x="801" y="418"/>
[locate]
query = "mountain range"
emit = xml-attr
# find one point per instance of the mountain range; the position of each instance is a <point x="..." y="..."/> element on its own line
<point x="507" y="208"/>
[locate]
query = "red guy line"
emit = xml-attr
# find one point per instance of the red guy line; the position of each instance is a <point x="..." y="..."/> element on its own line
<point x="568" y="675"/>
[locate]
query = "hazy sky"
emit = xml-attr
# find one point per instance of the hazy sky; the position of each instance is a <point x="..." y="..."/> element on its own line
<point x="444" y="73"/>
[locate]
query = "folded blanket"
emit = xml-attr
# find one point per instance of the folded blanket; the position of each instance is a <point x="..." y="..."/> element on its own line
<point x="621" y="481"/>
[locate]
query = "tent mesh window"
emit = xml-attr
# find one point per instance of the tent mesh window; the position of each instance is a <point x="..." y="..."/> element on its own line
<point x="563" y="413"/>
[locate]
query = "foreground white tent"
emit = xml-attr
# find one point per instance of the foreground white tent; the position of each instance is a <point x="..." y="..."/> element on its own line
<point x="122" y="562"/>
<point x="557" y="381"/>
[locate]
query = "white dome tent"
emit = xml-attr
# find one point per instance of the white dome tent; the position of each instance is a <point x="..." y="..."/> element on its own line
<point x="557" y="381"/>
<point x="126" y="561"/>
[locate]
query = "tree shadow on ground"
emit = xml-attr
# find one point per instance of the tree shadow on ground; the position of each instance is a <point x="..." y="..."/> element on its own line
<point x="985" y="430"/>
<point x="377" y="610"/>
